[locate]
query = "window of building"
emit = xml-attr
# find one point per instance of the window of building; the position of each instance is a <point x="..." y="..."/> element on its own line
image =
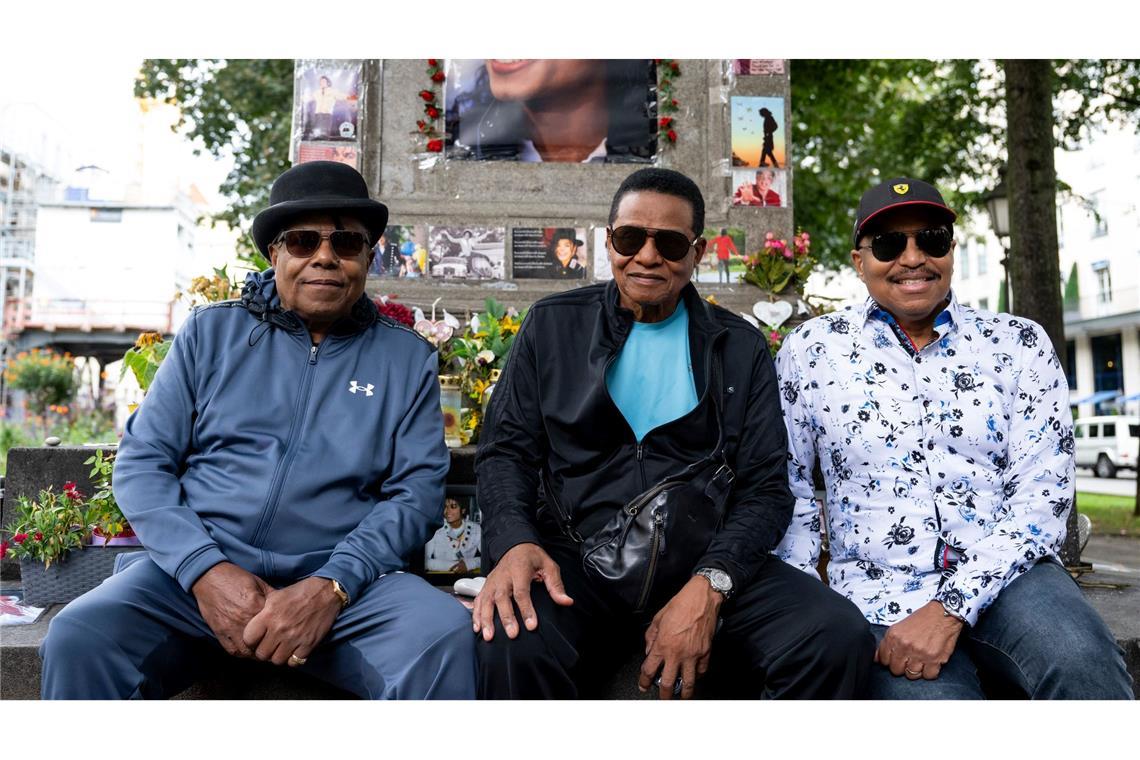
<point x="981" y="265"/>
<point x="1100" y="223"/>
<point x="1108" y="374"/>
<point x="984" y="303"/>
<point x="1071" y="363"/>
<point x="106" y="215"/>
<point x="964" y="260"/>
<point x="1103" y="281"/>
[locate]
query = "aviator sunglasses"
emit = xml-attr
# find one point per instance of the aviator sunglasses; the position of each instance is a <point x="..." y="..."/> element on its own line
<point x="888" y="246"/>
<point x="628" y="240"/>
<point x="304" y="243"/>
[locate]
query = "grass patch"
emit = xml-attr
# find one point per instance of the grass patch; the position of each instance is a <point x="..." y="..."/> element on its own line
<point x="1110" y="515"/>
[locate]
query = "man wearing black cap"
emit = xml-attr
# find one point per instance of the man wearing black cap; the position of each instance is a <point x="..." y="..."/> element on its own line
<point x="946" y="445"/>
<point x="287" y="459"/>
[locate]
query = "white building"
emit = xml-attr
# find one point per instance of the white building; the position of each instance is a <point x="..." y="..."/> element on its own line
<point x="1099" y="237"/>
<point x="111" y="265"/>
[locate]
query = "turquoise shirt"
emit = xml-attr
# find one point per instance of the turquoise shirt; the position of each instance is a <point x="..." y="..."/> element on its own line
<point x="651" y="381"/>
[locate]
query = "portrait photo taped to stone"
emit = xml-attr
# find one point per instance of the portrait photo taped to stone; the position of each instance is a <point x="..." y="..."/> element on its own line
<point x="474" y="253"/>
<point x="549" y="253"/>
<point x="329" y="99"/>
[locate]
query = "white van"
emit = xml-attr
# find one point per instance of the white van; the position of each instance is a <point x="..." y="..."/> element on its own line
<point x="1107" y="444"/>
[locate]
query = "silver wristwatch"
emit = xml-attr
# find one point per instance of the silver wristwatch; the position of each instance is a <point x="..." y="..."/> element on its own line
<point x="718" y="579"/>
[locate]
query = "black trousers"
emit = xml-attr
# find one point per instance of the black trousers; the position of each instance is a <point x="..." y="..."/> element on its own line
<point x="785" y="635"/>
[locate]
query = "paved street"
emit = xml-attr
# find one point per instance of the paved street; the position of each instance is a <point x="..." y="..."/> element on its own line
<point x="1124" y="484"/>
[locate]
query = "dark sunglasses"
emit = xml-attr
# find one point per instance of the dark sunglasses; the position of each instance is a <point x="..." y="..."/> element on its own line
<point x="628" y="240"/>
<point x="304" y="243"/>
<point x="888" y="246"/>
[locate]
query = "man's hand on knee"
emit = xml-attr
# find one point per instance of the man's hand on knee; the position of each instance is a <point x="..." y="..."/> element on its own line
<point x="228" y="598"/>
<point x="678" y="642"/>
<point x="293" y="621"/>
<point x="921" y="643"/>
<point x="509" y="585"/>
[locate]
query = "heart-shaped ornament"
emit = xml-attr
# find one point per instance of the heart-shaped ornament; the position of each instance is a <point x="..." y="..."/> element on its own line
<point x="772" y="314"/>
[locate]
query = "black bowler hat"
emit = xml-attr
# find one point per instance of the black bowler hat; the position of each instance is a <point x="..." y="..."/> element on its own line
<point x="895" y="193"/>
<point x="318" y="186"/>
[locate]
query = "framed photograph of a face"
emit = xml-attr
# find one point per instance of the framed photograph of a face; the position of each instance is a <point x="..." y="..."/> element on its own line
<point x="758" y="132"/>
<point x="759" y="187"/>
<point x="455" y="550"/>
<point x="551" y="110"/>
<point x="548" y="253"/>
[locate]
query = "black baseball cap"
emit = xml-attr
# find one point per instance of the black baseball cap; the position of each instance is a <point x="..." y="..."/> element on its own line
<point x="895" y="193"/>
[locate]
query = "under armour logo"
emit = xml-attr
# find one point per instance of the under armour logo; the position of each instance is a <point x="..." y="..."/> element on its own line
<point x="354" y="386"/>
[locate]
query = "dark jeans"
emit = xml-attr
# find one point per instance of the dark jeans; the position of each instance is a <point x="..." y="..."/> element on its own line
<point x="785" y="635"/>
<point x="1040" y="639"/>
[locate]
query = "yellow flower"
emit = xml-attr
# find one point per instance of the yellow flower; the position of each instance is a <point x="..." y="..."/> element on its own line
<point x="148" y="339"/>
<point x="472" y="420"/>
<point x="479" y="387"/>
<point x="711" y="298"/>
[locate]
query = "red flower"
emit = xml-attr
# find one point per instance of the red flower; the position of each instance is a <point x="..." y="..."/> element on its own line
<point x="432" y="62"/>
<point x="432" y="112"/>
<point x="674" y="102"/>
<point x="427" y="95"/>
<point x="20" y="538"/>
<point x="421" y="125"/>
<point x="665" y="121"/>
<point x="3" y="549"/>
<point x="396" y="311"/>
<point x="675" y="67"/>
<point x="671" y="135"/>
<point x="39" y="536"/>
<point x="438" y="76"/>
<point x="435" y="146"/>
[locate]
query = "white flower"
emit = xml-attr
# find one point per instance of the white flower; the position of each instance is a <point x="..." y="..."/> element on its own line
<point x="486" y="356"/>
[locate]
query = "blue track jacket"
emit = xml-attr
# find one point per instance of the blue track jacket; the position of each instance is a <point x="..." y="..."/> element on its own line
<point x="287" y="459"/>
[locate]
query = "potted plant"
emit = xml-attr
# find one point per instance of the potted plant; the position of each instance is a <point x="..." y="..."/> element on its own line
<point x="62" y="540"/>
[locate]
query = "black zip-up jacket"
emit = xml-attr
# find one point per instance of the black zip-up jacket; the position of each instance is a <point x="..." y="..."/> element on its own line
<point x="551" y="406"/>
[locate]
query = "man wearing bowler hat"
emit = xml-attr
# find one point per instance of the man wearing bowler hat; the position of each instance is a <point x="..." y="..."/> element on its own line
<point x="287" y="459"/>
<point x="946" y="444"/>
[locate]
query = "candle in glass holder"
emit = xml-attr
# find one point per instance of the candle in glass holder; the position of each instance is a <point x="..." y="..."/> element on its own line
<point x="451" y="404"/>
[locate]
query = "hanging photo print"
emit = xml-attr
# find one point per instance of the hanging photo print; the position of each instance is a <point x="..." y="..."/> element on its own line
<point x="759" y="187"/>
<point x="548" y="253"/>
<point x="474" y="253"/>
<point x="757" y="66"/>
<point x="758" y="132"/>
<point x="602" y="269"/>
<point x="401" y="252"/>
<point x="548" y="110"/>
<point x="328" y="99"/>
<point x="345" y="154"/>
<point x="455" y="550"/>
<point x="722" y="262"/>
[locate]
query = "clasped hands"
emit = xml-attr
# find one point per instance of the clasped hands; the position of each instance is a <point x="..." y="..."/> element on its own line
<point x="252" y="619"/>
<point x="678" y="641"/>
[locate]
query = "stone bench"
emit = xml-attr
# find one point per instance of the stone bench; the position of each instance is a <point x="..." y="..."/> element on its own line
<point x="1116" y="597"/>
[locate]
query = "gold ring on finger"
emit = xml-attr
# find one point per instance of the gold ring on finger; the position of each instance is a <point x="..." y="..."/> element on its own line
<point x="294" y="660"/>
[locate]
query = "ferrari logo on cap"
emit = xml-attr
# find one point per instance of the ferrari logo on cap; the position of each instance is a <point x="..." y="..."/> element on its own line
<point x="900" y="189"/>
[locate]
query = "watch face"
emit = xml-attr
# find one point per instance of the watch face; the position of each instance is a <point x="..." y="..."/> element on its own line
<point x="721" y="579"/>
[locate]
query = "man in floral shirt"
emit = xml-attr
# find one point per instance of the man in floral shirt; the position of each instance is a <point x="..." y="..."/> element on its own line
<point x="945" y="441"/>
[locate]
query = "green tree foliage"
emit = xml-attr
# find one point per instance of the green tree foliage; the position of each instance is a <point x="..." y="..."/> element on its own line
<point x="1072" y="297"/>
<point x="859" y="122"/>
<point x="237" y="107"/>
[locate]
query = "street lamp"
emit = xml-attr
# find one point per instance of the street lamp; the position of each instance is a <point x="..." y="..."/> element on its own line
<point x="997" y="206"/>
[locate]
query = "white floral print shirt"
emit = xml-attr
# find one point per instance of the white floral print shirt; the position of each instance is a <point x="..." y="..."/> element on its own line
<point x="948" y="471"/>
